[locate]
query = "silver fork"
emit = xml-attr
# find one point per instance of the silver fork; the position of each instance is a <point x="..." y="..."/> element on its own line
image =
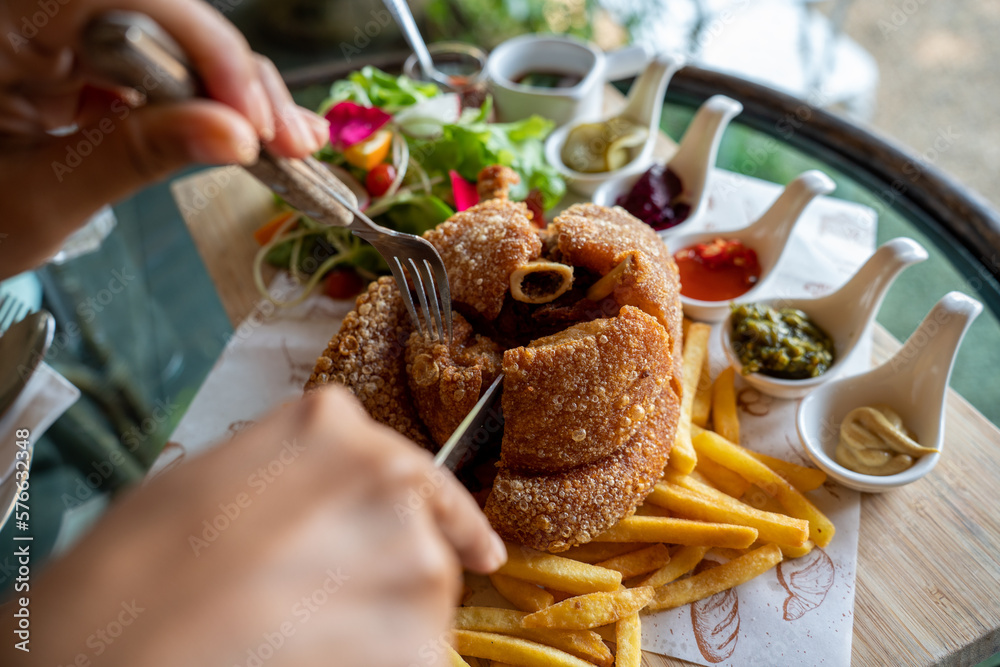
<point x="405" y="253"/>
<point x="128" y="47"/>
<point x="12" y="310"/>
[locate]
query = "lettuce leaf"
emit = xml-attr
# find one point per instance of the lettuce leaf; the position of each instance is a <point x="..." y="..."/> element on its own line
<point x="371" y="87"/>
<point x="472" y="144"/>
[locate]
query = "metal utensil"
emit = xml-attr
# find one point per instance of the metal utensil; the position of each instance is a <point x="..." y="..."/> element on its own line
<point x="483" y="420"/>
<point x="11" y="310"/>
<point x="404" y="18"/>
<point x="131" y="50"/>
<point x="22" y="348"/>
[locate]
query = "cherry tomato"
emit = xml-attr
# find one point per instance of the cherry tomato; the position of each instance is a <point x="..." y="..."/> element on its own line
<point x="379" y="179"/>
<point x="342" y="283"/>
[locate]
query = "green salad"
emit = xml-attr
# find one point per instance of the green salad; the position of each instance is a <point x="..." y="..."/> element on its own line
<point x="411" y="154"/>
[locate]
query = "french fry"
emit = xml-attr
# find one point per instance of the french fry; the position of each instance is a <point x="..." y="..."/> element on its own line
<point x="723" y="577"/>
<point x="562" y="574"/>
<point x="724" y="419"/>
<point x="730" y="554"/>
<point x="738" y="459"/>
<point x="720" y="508"/>
<point x="594" y="552"/>
<point x="651" y="510"/>
<point x="681" y="562"/>
<point x="694" y="474"/>
<point x="493" y="646"/>
<point x="638" y="562"/>
<point x="628" y="642"/>
<point x="701" y="410"/>
<point x="583" y="644"/>
<point x="755" y="497"/>
<point x="789" y="551"/>
<point x="803" y="478"/>
<point x="721" y="477"/>
<point x="679" y="531"/>
<point x="454" y="659"/>
<point x="590" y="611"/>
<point x="607" y="632"/>
<point x="522" y="594"/>
<point x="683" y="457"/>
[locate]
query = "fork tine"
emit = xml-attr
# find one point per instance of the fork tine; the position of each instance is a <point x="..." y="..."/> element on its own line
<point x="424" y="267"/>
<point x="397" y="272"/>
<point x="443" y="291"/>
<point x="424" y="273"/>
<point x="425" y="308"/>
<point x="5" y="307"/>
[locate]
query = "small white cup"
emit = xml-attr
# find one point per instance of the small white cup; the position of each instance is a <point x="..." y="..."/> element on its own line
<point x="585" y="100"/>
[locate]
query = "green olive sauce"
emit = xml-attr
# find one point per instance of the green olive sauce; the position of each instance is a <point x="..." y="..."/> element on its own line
<point x="781" y="343"/>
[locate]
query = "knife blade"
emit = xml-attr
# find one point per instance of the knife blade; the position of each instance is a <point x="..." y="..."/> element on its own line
<point x="483" y="421"/>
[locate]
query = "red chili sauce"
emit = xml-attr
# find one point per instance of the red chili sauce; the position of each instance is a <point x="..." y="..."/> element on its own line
<point x="717" y="271"/>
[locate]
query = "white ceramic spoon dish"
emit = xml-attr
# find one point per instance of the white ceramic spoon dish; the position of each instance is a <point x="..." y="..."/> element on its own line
<point x="768" y="236"/>
<point x="845" y="315"/>
<point x="913" y="382"/>
<point x="643" y="108"/>
<point x="692" y="163"/>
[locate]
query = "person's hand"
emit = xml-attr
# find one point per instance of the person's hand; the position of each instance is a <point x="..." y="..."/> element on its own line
<point x="317" y="537"/>
<point x="51" y="185"/>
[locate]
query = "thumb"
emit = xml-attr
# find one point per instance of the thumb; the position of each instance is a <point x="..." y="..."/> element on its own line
<point x="62" y="182"/>
<point x="129" y="148"/>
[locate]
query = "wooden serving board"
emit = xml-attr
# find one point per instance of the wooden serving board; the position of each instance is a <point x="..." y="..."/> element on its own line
<point x="928" y="568"/>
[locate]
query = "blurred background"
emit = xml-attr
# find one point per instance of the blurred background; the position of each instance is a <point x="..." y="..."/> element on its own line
<point x="921" y="73"/>
<point x="908" y="68"/>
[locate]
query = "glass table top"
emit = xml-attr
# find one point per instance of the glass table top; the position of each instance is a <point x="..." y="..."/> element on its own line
<point x="157" y="344"/>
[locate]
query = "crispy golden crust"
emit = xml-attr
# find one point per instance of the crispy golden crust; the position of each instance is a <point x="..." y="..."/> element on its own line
<point x="446" y="382"/>
<point x="367" y="357"/>
<point x="494" y="182"/>
<point x="579" y="395"/>
<point x="553" y="512"/>
<point x="599" y="238"/>
<point x="481" y="247"/>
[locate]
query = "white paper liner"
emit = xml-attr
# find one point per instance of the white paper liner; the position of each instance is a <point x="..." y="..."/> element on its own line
<point x="272" y="353"/>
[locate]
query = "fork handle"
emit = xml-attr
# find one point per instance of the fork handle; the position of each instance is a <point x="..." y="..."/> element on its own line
<point x="130" y="49"/>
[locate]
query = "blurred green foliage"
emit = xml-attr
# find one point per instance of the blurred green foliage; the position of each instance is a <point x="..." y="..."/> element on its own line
<point x="489" y="22"/>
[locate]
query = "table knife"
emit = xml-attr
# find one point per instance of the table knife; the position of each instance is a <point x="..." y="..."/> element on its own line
<point x="475" y="431"/>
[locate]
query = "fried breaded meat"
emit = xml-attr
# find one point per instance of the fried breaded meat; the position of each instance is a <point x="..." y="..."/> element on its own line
<point x="446" y="380"/>
<point x="591" y="377"/>
<point x="603" y="377"/>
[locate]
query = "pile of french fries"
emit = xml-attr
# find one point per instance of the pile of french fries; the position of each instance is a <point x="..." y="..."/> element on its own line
<point x="745" y="507"/>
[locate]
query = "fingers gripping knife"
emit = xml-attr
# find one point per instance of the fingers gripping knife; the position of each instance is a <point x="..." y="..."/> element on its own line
<point x="131" y="50"/>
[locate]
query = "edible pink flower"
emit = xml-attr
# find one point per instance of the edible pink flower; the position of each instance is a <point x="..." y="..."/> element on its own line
<point x="466" y="195"/>
<point x="351" y="123"/>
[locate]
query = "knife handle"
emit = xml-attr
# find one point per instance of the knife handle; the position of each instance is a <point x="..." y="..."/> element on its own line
<point x="129" y="49"/>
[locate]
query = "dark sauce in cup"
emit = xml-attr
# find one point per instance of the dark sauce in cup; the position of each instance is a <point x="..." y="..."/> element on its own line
<point x="548" y="79"/>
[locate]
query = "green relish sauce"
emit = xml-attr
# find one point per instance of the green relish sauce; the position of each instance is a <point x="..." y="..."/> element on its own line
<point x="783" y="343"/>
